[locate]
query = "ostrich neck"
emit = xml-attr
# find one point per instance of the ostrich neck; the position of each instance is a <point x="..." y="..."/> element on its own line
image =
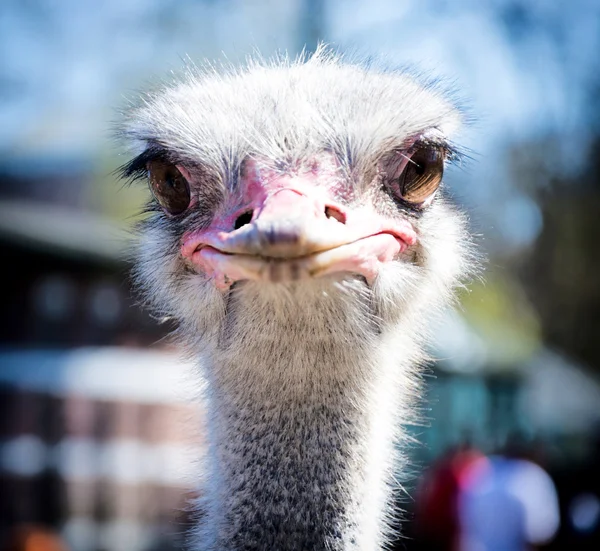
<point x="300" y="431"/>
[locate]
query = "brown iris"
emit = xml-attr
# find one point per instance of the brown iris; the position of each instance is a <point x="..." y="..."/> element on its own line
<point x="169" y="187"/>
<point x="422" y="175"/>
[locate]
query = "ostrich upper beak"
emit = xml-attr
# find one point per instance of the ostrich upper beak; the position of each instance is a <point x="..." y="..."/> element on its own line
<point x="296" y="233"/>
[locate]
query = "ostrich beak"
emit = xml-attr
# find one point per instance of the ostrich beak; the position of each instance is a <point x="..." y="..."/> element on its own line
<point x="296" y="233"/>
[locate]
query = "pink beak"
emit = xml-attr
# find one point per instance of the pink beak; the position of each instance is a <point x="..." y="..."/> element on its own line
<point x="295" y="233"/>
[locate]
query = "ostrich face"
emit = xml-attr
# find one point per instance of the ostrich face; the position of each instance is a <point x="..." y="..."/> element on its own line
<point x="289" y="223"/>
<point x="315" y="175"/>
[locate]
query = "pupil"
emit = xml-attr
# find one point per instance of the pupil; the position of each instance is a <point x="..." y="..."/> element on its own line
<point x="173" y="183"/>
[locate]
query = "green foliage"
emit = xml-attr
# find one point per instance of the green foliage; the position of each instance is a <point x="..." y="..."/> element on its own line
<point x="113" y="197"/>
<point x="499" y="311"/>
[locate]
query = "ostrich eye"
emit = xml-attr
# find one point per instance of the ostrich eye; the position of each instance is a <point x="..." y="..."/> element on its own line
<point x="422" y="175"/>
<point x="169" y="187"/>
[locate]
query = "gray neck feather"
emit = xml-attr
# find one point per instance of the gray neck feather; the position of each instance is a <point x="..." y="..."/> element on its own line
<point x="303" y="409"/>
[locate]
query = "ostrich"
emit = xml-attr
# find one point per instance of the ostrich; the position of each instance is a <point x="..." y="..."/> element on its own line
<point x="298" y="234"/>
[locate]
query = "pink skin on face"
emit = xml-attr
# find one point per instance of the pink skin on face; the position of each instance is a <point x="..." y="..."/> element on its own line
<point x="298" y="230"/>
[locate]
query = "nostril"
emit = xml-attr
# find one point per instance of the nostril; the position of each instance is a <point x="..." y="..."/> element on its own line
<point x="243" y="219"/>
<point x="332" y="212"/>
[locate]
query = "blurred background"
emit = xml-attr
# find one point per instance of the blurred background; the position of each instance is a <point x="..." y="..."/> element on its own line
<point x="97" y="433"/>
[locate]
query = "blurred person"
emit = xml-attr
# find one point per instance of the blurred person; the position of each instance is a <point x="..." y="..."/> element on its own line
<point x="506" y="503"/>
<point x="437" y="521"/>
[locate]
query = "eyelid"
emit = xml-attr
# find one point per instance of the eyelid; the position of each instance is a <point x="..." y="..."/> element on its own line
<point x="397" y="165"/>
<point x="184" y="172"/>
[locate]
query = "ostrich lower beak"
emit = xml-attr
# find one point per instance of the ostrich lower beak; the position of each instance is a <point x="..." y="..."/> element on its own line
<point x="293" y="237"/>
<point x="362" y="257"/>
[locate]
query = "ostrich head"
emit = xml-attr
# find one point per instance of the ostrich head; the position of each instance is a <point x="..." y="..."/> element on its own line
<point x="299" y="234"/>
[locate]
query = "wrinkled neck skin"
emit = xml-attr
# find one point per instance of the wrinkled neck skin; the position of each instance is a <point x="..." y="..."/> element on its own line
<point x="305" y="385"/>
